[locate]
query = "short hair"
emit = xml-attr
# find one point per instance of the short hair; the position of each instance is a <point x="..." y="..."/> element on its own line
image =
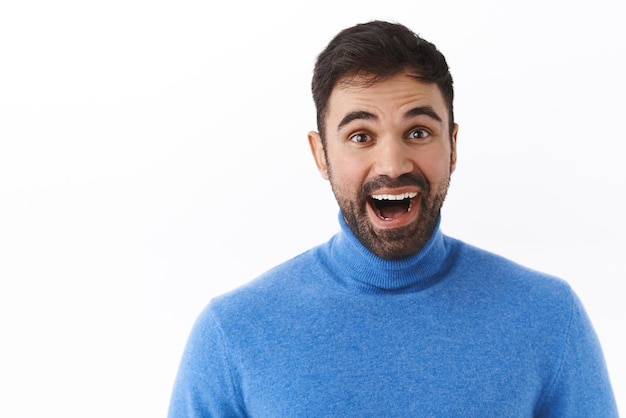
<point x="379" y="50"/>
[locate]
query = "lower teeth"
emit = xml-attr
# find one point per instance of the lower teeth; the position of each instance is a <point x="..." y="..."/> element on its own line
<point x="387" y="208"/>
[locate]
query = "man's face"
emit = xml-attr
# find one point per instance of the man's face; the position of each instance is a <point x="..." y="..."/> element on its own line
<point x="388" y="156"/>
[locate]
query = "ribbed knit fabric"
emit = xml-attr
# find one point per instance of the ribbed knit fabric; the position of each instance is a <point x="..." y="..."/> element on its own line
<point x="338" y="332"/>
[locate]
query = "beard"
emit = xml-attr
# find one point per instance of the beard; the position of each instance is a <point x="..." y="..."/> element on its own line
<point x="400" y="242"/>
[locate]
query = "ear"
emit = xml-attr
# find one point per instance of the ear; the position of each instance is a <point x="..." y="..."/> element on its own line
<point x="317" y="149"/>
<point x="455" y="131"/>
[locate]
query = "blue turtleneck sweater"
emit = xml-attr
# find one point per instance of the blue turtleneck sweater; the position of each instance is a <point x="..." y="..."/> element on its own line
<point x="453" y="331"/>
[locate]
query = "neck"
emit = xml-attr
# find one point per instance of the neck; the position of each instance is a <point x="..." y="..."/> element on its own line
<point x="363" y="270"/>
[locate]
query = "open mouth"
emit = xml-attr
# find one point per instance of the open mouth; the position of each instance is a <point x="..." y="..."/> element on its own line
<point x="391" y="206"/>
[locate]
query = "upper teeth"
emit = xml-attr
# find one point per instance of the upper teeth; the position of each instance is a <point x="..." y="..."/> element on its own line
<point x="408" y="195"/>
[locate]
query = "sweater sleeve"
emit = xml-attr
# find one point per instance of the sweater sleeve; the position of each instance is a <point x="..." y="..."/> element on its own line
<point x="581" y="387"/>
<point x="204" y="384"/>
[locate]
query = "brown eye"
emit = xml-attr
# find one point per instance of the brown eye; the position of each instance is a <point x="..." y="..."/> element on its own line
<point x="419" y="134"/>
<point x="359" y="138"/>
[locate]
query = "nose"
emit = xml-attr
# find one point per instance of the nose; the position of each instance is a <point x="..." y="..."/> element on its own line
<point x="392" y="158"/>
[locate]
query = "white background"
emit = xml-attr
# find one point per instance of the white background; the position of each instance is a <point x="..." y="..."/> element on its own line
<point x="153" y="155"/>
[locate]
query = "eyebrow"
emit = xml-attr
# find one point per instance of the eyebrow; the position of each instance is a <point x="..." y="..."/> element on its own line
<point x="357" y="115"/>
<point x="423" y="110"/>
<point x="363" y="115"/>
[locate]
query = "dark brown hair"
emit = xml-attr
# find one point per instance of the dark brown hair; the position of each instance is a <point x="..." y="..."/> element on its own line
<point x="378" y="50"/>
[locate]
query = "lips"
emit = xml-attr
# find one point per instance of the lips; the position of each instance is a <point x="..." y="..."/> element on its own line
<point x="389" y="207"/>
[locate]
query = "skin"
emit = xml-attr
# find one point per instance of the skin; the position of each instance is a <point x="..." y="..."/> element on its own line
<point x="391" y="137"/>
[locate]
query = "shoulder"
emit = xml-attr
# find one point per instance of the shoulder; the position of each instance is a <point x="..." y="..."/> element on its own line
<point x="489" y="272"/>
<point x="272" y="291"/>
<point x="477" y="261"/>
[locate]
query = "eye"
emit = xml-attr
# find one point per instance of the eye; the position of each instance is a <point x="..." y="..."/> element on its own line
<point x="419" y="134"/>
<point x="359" y="138"/>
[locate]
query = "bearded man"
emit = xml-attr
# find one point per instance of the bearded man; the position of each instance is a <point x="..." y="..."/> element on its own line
<point x="391" y="317"/>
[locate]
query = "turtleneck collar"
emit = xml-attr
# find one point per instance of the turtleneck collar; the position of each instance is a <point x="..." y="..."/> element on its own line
<point x="359" y="269"/>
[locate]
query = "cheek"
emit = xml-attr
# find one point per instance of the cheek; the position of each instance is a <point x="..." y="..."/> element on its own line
<point x="348" y="174"/>
<point x="435" y="166"/>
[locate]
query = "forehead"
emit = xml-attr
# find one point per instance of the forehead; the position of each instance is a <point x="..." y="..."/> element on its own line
<point x="397" y="93"/>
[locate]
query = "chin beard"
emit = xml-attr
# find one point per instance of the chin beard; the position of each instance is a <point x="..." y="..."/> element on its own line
<point x="401" y="242"/>
<point x="397" y="243"/>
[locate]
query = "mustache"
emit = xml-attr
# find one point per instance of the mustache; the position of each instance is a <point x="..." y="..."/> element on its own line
<point x="407" y="179"/>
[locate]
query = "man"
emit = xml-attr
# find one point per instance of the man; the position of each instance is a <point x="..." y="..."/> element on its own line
<point x="391" y="317"/>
